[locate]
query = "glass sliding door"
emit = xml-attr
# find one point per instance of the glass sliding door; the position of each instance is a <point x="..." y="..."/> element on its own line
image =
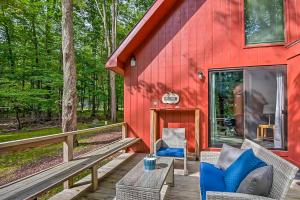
<point x="226" y="107"/>
<point x="265" y="106"/>
<point x="248" y="103"/>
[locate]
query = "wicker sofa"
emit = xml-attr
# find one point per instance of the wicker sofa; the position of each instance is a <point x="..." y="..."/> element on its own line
<point x="283" y="174"/>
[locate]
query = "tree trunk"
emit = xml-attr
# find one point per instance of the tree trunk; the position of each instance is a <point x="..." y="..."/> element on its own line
<point x="18" y="119"/>
<point x="47" y="50"/>
<point x="108" y="104"/>
<point x="93" y="114"/>
<point x="112" y="75"/>
<point x="110" y="43"/>
<point x="60" y="89"/>
<point x="10" y="52"/>
<point x="36" y="49"/>
<point x="82" y="96"/>
<point x="94" y="78"/>
<point x="48" y="25"/>
<point x="69" y="101"/>
<point x="113" y="103"/>
<point x="8" y="30"/>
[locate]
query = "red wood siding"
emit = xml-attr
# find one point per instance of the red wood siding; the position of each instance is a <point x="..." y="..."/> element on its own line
<point x="292" y="20"/>
<point x="294" y="103"/>
<point x="197" y="35"/>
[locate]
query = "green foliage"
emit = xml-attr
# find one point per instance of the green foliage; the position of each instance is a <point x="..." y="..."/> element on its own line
<point x="226" y="82"/>
<point x="31" y="58"/>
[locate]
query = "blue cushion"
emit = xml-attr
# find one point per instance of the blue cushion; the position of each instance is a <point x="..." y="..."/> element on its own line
<point x="240" y="168"/>
<point x="211" y="179"/>
<point x="170" y="152"/>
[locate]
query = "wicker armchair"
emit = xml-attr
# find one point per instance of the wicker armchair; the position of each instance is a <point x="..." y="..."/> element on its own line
<point x="283" y="174"/>
<point x="173" y="138"/>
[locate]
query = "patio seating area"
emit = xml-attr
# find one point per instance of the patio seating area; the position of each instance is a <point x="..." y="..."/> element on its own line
<point x="150" y="100"/>
<point x="186" y="187"/>
<point x="104" y="182"/>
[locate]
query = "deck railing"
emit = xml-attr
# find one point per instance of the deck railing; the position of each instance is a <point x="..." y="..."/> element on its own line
<point x="66" y="138"/>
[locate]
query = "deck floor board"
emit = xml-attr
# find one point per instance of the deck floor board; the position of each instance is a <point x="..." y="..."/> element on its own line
<point x="186" y="187"/>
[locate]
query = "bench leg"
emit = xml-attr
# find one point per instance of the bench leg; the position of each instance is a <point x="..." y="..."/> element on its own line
<point x="185" y="166"/>
<point x="170" y="176"/>
<point x="68" y="184"/>
<point x="94" y="180"/>
<point x="185" y="171"/>
<point x="257" y="133"/>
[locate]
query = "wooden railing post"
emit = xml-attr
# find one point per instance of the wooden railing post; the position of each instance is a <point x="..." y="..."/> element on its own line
<point x="124" y="134"/>
<point x="68" y="148"/>
<point x="124" y="130"/>
<point x="94" y="172"/>
<point x="68" y="156"/>
<point x="153" y="127"/>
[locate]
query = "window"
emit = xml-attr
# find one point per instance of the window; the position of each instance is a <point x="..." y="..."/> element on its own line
<point x="248" y="103"/>
<point x="264" y="21"/>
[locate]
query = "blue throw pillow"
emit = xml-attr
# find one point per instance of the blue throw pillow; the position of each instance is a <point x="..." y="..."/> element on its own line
<point x="211" y="179"/>
<point x="240" y="168"/>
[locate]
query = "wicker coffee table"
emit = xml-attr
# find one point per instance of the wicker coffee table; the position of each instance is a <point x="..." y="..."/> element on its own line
<point x="140" y="184"/>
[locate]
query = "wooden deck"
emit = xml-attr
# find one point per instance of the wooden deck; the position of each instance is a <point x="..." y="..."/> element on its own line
<point x="186" y="187"/>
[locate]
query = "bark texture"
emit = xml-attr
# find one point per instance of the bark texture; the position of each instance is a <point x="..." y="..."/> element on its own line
<point x="69" y="102"/>
<point x="112" y="75"/>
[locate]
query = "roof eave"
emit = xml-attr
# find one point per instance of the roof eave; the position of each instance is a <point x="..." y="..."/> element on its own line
<point x="139" y="33"/>
<point x="115" y="65"/>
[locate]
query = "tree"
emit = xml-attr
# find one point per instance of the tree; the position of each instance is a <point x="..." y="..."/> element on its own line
<point x="69" y="101"/>
<point x="112" y="75"/>
<point x="110" y="38"/>
<point x="31" y="57"/>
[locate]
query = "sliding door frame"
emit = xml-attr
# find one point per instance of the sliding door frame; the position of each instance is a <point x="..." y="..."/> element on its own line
<point x="234" y="69"/>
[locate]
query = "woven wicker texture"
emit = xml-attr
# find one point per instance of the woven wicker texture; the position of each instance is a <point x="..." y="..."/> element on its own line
<point x="233" y="196"/>
<point x="141" y="184"/>
<point x="283" y="174"/>
<point x="283" y="171"/>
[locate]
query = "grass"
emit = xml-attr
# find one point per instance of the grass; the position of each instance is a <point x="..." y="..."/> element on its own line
<point x="24" y="134"/>
<point x="14" y="161"/>
<point x="5" y="137"/>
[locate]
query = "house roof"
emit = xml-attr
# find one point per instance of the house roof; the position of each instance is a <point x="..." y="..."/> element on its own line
<point x="139" y="33"/>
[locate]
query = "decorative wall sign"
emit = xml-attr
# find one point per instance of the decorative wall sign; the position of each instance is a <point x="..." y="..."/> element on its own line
<point x="170" y="98"/>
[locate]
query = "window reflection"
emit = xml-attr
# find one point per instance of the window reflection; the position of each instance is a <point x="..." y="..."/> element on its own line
<point x="226" y="107"/>
<point x="264" y="21"/>
<point x="248" y="103"/>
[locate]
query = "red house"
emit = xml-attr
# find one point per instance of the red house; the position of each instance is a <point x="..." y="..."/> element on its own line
<point x="234" y="64"/>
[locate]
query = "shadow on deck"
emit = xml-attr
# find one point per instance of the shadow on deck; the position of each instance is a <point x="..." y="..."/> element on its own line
<point x="186" y="187"/>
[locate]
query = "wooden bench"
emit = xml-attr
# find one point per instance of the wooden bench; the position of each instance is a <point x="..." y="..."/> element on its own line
<point x="35" y="185"/>
<point x="84" y="185"/>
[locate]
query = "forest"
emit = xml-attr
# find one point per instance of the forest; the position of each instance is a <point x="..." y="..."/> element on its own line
<point x="31" y="61"/>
